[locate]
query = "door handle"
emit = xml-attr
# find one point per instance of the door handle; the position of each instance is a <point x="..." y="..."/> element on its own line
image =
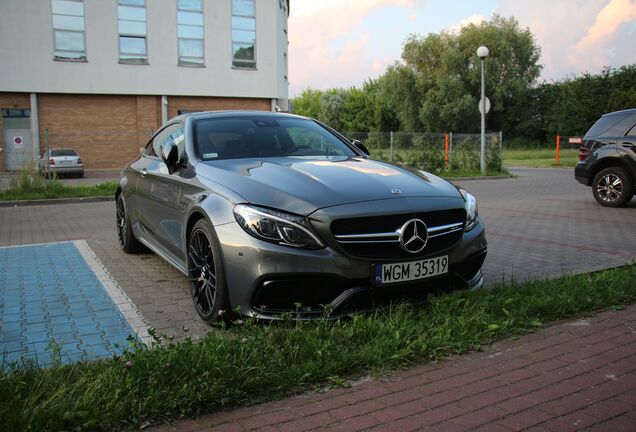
<point x="144" y="172"/>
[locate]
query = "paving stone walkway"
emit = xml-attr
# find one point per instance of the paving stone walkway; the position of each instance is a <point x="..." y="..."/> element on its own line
<point x="573" y="376"/>
<point x="540" y="224"/>
<point x="56" y="293"/>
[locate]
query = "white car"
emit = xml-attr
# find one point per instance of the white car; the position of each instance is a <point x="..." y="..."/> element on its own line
<point x="61" y="161"/>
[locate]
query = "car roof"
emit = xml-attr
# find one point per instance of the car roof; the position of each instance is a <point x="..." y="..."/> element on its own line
<point x="225" y="114"/>
<point x="621" y="112"/>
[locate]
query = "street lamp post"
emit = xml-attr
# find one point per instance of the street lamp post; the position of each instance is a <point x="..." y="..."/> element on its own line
<point x="482" y="53"/>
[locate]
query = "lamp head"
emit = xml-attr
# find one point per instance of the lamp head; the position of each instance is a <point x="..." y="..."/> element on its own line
<point x="482" y="52"/>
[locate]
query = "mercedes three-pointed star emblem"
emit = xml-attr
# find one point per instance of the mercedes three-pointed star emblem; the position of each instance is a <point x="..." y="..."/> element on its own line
<point x="413" y="236"/>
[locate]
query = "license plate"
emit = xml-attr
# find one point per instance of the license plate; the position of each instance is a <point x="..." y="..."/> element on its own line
<point x="410" y="271"/>
<point x="66" y="162"/>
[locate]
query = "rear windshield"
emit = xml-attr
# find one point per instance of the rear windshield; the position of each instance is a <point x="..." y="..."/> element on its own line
<point x="612" y="126"/>
<point x="63" y="152"/>
<point x="254" y="137"/>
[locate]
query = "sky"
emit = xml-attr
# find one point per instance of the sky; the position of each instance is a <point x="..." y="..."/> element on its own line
<point x="341" y="43"/>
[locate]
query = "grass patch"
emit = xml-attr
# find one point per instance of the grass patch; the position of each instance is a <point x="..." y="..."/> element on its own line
<point x="254" y="362"/>
<point x="31" y="186"/>
<point x="540" y="158"/>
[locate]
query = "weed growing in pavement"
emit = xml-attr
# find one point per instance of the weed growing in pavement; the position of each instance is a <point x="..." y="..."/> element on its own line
<point x="253" y="362"/>
<point x="30" y="185"/>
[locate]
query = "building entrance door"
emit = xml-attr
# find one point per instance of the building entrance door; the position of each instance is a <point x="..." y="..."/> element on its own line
<point x="18" y="147"/>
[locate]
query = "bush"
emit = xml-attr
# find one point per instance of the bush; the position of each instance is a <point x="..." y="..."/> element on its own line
<point x="465" y="156"/>
<point x="402" y="140"/>
<point x="493" y="157"/>
<point x="427" y="154"/>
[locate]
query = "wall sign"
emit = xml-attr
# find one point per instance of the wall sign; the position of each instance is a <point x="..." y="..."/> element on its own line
<point x="18" y="141"/>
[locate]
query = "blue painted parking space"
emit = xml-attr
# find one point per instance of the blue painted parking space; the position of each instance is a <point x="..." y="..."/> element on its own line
<point x="52" y="300"/>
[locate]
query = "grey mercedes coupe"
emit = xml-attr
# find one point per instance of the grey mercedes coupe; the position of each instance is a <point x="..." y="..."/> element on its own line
<point x="268" y="213"/>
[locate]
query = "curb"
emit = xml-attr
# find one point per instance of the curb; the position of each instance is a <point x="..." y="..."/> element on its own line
<point x="78" y="200"/>
<point x="501" y="177"/>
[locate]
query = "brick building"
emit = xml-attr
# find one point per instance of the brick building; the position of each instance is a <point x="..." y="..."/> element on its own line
<point x="101" y="75"/>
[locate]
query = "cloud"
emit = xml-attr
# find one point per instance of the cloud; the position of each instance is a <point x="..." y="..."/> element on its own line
<point x="334" y="17"/>
<point x="327" y="45"/>
<point x="473" y="19"/>
<point x="597" y="47"/>
<point x="576" y="36"/>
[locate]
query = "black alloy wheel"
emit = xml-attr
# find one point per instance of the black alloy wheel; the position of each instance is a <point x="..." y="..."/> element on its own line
<point x="205" y="272"/>
<point x="127" y="240"/>
<point x="613" y="187"/>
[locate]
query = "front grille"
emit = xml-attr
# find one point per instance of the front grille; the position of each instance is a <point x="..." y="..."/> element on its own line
<point x="377" y="237"/>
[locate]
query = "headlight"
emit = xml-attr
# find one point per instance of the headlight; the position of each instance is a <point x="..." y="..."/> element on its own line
<point x="472" y="215"/>
<point x="276" y="226"/>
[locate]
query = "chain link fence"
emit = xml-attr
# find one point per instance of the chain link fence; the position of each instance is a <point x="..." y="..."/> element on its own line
<point x="435" y="152"/>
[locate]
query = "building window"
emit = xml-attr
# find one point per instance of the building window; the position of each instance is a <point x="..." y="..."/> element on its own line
<point x="16" y="113"/>
<point x="69" y="29"/>
<point x="131" y="23"/>
<point x="243" y="34"/>
<point x="190" y="32"/>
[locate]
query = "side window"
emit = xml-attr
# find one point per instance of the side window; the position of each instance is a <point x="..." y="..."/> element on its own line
<point x="632" y="132"/>
<point x="161" y="138"/>
<point x="149" y="150"/>
<point x="178" y="137"/>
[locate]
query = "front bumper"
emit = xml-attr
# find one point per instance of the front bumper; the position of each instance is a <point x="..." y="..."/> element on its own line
<point x="265" y="280"/>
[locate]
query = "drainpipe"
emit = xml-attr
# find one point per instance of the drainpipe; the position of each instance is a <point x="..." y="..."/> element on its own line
<point x="35" y="127"/>
<point x="164" y="109"/>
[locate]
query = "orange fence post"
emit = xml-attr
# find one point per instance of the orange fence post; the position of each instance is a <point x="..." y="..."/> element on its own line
<point x="446" y="149"/>
<point x="558" y="148"/>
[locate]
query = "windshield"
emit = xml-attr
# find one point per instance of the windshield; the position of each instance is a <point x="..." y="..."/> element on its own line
<point x="253" y="137"/>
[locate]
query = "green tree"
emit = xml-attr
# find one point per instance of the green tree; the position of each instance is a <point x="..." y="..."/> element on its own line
<point x="437" y="87"/>
<point x="398" y="89"/>
<point x="332" y="108"/>
<point x="308" y="103"/>
<point x="383" y="117"/>
<point x="580" y="101"/>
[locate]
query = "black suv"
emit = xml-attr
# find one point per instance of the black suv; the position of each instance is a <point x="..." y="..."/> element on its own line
<point x="607" y="158"/>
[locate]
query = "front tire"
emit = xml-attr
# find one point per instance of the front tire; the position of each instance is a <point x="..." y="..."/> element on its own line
<point x="613" y="187"/>
<point x="125" y="236"/>
<point x="206" y="273"/>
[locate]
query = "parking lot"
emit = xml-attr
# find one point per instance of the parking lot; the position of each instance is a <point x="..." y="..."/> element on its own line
<point x="540" y="224"/>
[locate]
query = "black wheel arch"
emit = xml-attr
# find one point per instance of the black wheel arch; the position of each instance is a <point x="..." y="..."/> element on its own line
<point x="193" y="218"/>
<point x="609" y="162"/>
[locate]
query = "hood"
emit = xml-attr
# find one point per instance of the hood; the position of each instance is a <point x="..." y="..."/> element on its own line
<point x="302" y="185"/>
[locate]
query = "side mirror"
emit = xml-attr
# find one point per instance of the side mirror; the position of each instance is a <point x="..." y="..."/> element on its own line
<point x="170" y="155"/>
<point x="361" y="147"/>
